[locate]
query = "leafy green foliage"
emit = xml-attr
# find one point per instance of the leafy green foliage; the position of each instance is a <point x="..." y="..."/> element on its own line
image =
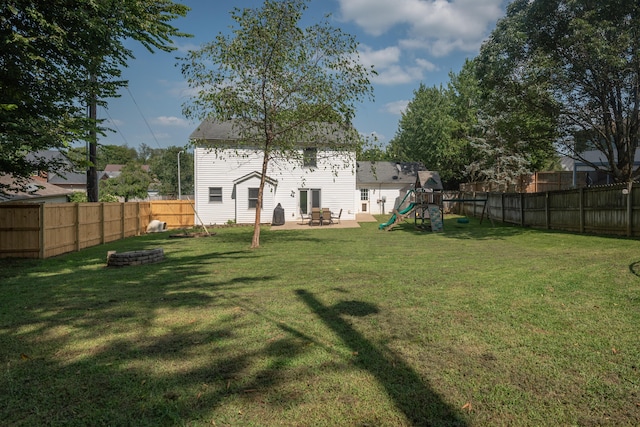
<point x="571" y="65"/>
<point x="133" y="182"/>
<point x="106" y="155"/>
<point x="164" y="167"/>
<point x="81" y="197"/>
<point x="278" y="81"/>
<point x="48" y="51"/>
<point x="436" y="125"/>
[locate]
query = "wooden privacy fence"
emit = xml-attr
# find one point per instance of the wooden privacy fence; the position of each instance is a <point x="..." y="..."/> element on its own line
<point x="30" y="230"/>
<point x="611" y="210"/>
<point x="537" y="182"/>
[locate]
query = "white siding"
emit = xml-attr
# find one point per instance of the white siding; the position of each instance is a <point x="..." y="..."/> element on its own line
<point x="334" y="176"/>
<point x="376" y="194"/>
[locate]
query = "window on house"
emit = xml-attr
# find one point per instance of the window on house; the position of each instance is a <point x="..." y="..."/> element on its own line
<point x="364" y="194"/>
<point x="215" y="194"/>
<point x="310" y="157"/>
<point x="253" y="197"/>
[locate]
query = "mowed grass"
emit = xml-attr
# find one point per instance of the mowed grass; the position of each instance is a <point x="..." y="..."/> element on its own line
<point x="475" y="326"/>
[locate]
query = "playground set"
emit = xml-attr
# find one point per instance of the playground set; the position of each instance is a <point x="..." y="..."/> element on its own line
<point x="423" y="201"/>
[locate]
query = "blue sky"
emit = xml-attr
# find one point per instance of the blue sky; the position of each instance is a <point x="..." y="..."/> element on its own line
<point x="408" y="41"/>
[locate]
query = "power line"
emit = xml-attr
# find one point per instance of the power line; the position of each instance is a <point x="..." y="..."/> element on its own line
<point x="115" y="125"/>
<point x="143" y="117"/>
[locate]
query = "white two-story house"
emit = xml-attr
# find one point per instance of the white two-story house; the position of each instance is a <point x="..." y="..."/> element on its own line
<point x="227" y="174"/>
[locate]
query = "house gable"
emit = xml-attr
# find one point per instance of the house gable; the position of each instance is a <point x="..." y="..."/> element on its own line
<point x="256" y="175"/>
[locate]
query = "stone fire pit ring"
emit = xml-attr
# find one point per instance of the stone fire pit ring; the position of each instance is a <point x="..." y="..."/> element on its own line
<point x="148" y="256"/>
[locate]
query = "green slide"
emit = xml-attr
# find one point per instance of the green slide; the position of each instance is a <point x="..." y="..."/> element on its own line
<point x="393" y="217"/>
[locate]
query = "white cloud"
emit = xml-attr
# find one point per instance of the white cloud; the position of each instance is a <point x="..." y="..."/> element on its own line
<point x="114" y="122"/>
<point x="387" y="63"/>
<point x="396" y="107"/>
<point x="439" y="26"/>
<point x="171" y="121"/>
<point x="186" y="47"/>
<point x="379" y="58"/>
<point x="374" y="138"/>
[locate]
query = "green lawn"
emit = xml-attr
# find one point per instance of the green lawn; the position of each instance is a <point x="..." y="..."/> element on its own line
<point x="475" y="326"/>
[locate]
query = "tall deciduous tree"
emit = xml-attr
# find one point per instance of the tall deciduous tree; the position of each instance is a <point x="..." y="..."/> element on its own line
<point x="437" y="124"/>
<point x="578" y="60"/>
<point x="49" y="50"/>
<point x="278" y="80"/>
<point x="425" y="130"/>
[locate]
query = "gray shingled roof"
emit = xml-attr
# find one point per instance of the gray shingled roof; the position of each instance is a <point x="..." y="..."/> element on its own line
<point x="215" y="131"/>
<point x="387" y="172"/>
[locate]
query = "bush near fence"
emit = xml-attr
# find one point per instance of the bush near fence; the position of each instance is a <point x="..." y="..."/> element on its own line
<point x="30" y="230"/>
<point x="606" y="210"/>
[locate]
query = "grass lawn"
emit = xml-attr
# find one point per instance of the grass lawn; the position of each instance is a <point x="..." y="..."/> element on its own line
<point x="475" y="326"/>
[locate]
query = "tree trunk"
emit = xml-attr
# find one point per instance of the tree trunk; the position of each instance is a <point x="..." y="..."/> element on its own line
<point x="255" y="241"/>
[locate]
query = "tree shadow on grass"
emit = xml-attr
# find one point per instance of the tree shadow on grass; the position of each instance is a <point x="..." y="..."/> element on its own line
<point x="415" y="399"/>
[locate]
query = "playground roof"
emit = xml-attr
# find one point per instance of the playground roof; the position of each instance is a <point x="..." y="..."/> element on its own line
<point x="387" y="172"/>
<point x="429" y="180"/>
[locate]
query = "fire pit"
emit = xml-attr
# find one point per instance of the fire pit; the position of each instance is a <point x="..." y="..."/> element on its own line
<point x="122" y="259"/>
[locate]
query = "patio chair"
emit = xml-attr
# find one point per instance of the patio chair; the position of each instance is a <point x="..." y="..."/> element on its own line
<point x="305" y="217"/>
<point x="336" y="217"/>
<point x="326" y="216"/>
<point x="316" y="217"/>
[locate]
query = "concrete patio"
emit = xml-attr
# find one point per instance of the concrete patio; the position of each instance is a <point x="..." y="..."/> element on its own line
<point x="297" y="225"/>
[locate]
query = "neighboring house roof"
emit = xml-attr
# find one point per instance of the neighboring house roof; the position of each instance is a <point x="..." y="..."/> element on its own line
<point x="113" y="168"/>
<point x="34" y="189"/>
<point x="230" y="131"/>
<point x="68" y="178"/>
<point x="76" y="179"/>
<point x="387" y="172"/>
<point x="49" y="156"/>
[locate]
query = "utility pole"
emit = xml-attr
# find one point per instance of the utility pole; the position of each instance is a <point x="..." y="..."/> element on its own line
<point x="92" y="175"/>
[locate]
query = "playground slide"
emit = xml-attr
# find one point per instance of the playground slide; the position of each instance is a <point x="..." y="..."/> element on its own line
<point x="388" y="223"/>
<point x="393" y="217"/>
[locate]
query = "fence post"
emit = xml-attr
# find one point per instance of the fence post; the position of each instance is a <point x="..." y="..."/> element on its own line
<point x="522" y="209"/>
<point x="581" y="210"/>
<point x="102" y="217"/>
<point x="42" y="223"/>
<point x="547" y="210"/>
<point x="137" y="218"/>
<point x="122" y="221"/>
<point x="77" y="227"/>
<point x="630" y="209"/>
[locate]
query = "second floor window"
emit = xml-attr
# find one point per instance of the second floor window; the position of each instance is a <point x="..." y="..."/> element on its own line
<point x="310" y="157"/>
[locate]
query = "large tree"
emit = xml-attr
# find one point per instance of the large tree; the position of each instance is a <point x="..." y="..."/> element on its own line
<point x="437" y="124"/>
<point x="277" y="81"/>
<point x="578" y="61"/>
<point x="49" y="50"/>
